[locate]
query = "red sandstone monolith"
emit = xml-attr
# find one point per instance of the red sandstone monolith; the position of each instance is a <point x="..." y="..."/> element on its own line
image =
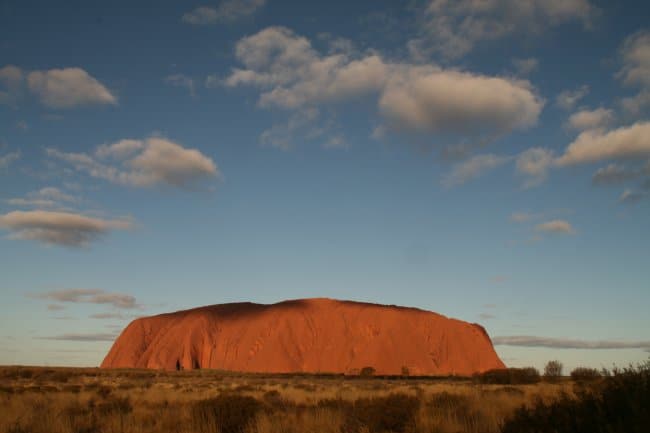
<point x="309" y="335"/>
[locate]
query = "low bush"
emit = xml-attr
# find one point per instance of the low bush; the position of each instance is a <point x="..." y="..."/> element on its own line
<point x="226" y="413"/>
<point x="620" y="404"/>
<point x="509" y="376"/>
<point x="585" y="374"/>
<point x="394" y="413"/>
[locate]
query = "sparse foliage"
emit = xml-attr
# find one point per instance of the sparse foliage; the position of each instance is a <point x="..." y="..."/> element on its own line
<point x="585" y="374"/>
<point x="553" y="370"/>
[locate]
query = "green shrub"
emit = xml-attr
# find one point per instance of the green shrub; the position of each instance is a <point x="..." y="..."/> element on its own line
<point x="230" y="413"/>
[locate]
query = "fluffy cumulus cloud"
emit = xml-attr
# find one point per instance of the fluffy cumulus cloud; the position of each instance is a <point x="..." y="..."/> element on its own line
<point x="143" y="163"/>
<point x="590" y="119"/>
<point x="568" y="99"/>
<point x="453" y="27"/>
<point x="227" y="10"/>
<point x="472" y="168"/>
<point x="68" y="87"/>
<point x="90" y="296"/>
<point x="55" y="88"/>
<point x="534" y="165"/>
<point x="59" y="228"/>
<point x="635" y="53"/>
<point x="555" y="227"/>
<point x="629" y="142"/>
<point x="448" y="101"/>
<point x="291" y="74"/>
<point x="567" y="343"/>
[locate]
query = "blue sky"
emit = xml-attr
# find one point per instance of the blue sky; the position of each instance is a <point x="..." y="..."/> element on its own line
<point x="489" y="161"/>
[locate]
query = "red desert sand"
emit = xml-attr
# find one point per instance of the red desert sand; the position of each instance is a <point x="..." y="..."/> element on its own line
<point x="309" y="335"/>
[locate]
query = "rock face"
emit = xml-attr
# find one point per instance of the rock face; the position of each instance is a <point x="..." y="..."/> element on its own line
<point x="309" y="335"/>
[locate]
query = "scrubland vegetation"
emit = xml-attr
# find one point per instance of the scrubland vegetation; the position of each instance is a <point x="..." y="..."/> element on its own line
<point x="53" y="400"/>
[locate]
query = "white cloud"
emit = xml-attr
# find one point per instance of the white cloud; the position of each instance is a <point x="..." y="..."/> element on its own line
<point x="59" y="228"/>
<point x="90" y="296"/>
<point x="120" y="149"/>
<point x="107" y="316"/>
<point x="522" y="217"/>
<point x="144" y="163"/>
<point x="291" y="74"/>
<point x="555" y="227"/>
<point x="11" y="78"/>
<point x="228" y="10"/>
<point x="630" y="197"/>
<point x="567" y="343"/>
<point x="635" y="53"/>
<point x="616" y="173"/>
<point x="68" y="87"/>
<point x="83" y="337"/>
<point x="568" y="99"/>
<point x="181" y="80"/>
<point x="597" y="145"/>
<point x="164" y="161"/>
<point x="200" y="16"/>
<point x="525" y="66"/>
<point x="7" y="159"/>
<point x="636" y="58"/>
<point x="473" y="167"/>
<point x="304" y="123"/>
<point x="448" y="101"/>
<point x="45" y="197"/>
<point x="453" y="27"/>
<point x="590" y="119"/>
<point x="534" y="163"/>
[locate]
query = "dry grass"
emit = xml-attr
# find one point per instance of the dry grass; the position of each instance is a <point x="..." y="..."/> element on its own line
<point x="42" y="400"/>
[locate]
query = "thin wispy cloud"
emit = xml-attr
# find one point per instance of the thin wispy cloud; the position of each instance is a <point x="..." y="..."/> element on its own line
<point x="557" y="226"/>
<point x="59" y="228"/>
<point x="182" y="80"/>
<point x="525" y="66"/>
<point x="7" y="159"/>
<point x="226" y="11"/>
<point x="90" y="296"/>
<point x="472" y="168"/>
<point x="83" y="337"/>
<point x="635" y="73"/>
<point x="48" y="197"/>
<point x="568" y="99"/>
<point x="452" y="28"/>
<point x="566" y="343"/>
<point x="103" y="316"/>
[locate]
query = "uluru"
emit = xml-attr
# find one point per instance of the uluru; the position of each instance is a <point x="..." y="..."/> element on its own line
<point x="308" y="335"/>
